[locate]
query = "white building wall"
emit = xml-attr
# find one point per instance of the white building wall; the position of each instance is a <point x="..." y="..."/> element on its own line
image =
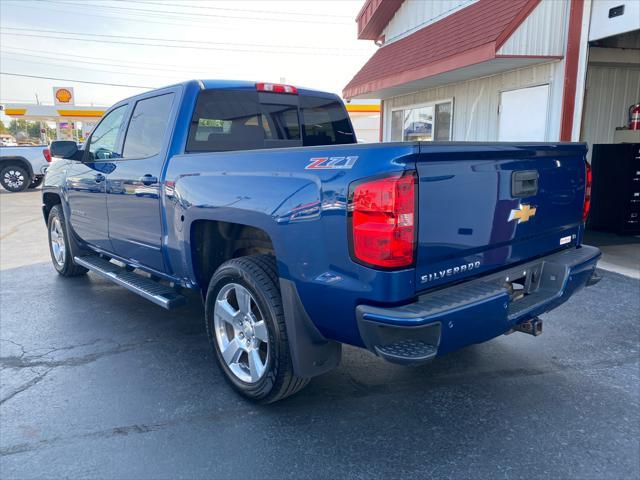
<point x="416" y="14"/>
<point x="602" y="26"/>
<point x="366" y="126"/>
<point x="609" y="94"/>
<point x="542" y="32"/>
<point x="475" y="102"/>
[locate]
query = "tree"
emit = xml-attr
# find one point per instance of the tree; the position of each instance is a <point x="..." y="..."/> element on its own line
<point x="18" y="126"/>
<point x="25" y="130"/>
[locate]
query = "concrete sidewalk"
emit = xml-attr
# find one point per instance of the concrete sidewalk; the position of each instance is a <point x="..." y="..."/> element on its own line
<point x="619" y="254"/>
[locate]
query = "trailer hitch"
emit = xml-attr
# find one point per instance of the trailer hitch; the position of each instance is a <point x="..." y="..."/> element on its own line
<point x="532" y="327"/>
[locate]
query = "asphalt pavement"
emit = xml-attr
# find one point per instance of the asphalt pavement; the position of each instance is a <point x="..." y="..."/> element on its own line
<point x="96" y="382"/>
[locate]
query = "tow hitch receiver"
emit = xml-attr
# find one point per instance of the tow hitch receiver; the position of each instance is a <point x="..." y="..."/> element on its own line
<point x="532" y="327"/>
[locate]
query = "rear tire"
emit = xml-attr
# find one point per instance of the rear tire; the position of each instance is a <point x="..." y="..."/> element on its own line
<point x="230" y="329"/>
<point x="15" y="178"/>
<point x="61" y="255"/>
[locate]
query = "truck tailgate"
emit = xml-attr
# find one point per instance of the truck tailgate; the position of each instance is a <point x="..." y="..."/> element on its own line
<point x="483" y="207"/>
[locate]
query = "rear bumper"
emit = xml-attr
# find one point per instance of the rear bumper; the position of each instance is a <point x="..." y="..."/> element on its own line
<point x="476" y="311"/>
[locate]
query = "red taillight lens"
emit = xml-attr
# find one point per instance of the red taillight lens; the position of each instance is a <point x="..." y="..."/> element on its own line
<point x="383" y="221"/>
<point x="47" y="154"/>
<point x="276" y="88"/>
<point x="587" y="192"/>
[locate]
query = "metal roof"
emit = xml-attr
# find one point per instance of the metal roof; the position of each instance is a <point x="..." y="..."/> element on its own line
<point x="467" y="37"/>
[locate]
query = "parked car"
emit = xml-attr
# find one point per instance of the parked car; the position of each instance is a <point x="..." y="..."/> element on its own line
<point x="299" y="240"/>
<point x="23" y="167"/>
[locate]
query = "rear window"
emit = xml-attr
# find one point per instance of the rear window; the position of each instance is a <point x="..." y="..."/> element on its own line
<point x="225" y="120"/>
<point x="325" y="122"/>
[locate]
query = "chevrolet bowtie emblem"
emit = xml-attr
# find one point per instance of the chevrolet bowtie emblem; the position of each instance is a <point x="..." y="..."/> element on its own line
<point x="523" y="213"/>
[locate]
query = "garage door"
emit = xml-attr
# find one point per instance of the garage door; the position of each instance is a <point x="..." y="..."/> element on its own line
<point x="523" y="114"/>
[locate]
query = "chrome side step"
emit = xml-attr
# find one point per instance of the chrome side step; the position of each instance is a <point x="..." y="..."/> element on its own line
<point x="153" y="291"/>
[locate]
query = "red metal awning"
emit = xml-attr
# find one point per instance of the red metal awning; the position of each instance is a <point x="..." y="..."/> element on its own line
<point x="374" y="16"/>
<point x="470" y="36"/>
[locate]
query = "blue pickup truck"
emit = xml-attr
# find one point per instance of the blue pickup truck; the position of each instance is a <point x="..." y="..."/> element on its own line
<point x="258" y="198"/>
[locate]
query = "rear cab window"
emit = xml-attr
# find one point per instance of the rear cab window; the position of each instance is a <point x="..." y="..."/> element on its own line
<point x="225" y="120"/>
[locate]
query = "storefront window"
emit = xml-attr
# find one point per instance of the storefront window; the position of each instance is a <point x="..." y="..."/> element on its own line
<point x="425" y="123"/>
<point x="443" y="122"/>
<point x="396" y="125"/>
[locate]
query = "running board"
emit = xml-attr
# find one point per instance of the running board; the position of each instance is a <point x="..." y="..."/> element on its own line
<point x="153" y="291"/>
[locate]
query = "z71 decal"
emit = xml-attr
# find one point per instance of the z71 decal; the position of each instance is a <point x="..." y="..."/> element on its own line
<point x="329" y="163"/>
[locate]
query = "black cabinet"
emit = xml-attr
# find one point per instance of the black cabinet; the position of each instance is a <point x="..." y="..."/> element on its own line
<point x="615" y="194"/>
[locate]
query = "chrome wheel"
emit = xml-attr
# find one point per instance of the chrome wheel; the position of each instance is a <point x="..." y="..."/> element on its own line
<point x="13" y="179"/>
<point x="58" y="247"/>
<point x="241" y="333"/>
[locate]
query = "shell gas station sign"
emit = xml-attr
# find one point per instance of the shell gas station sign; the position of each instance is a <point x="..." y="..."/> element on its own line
<point x="63" y="96"/>
<point x="72" y="121"/>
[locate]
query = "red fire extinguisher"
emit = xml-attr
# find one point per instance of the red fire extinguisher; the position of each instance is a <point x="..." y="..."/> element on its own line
<point x="634" y="117"/>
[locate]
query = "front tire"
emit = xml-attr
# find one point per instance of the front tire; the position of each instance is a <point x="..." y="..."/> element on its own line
<point x="246" y="328"/>
<point x="15" y="178"/>
<point x="61" y="255"/>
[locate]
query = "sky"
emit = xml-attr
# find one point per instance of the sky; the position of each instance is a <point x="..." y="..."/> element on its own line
<point x="146" y="44"/>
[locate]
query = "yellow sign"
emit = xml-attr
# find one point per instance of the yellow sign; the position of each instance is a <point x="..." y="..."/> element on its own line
<point x="80" y="113"/>
<point x="523" y="213"/>
<point x="63" y="95"/>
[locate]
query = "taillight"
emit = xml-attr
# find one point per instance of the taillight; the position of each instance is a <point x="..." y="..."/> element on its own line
<point x="383" y="221"/>
<point x="587" y="192"/>
<point x="276" y="88"/>
<point x="47" y="154"/>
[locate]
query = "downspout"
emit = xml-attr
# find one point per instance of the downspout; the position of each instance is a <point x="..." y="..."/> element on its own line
<point x="572" y="59"/>
<point x="583" y="66"/>
<point x="380" y="134"/>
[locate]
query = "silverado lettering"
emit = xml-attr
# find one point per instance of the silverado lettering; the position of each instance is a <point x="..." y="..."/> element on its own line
<point x="450" y="271"/>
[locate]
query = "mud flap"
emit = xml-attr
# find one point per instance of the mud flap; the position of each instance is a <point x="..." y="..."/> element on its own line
<point x="311" y="353"/>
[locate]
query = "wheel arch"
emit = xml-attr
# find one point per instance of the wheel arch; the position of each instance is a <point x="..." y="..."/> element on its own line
<point x="17" y="160"/>
<point x="49" y="200"/>
<point x="213" y="242"/>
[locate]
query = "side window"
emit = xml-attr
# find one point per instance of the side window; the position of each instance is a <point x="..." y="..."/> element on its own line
<point x="103" y="139"/>
<point x="147" y="127"/>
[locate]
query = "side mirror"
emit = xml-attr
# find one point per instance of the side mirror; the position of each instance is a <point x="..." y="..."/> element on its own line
<point x="64" y="149"/>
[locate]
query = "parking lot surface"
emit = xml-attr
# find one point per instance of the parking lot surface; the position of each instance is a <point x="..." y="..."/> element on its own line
<point x="98" y="383"/>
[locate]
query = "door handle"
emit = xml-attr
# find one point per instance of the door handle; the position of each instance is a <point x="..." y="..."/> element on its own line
<point x="148" y="179"/>
<point x="99" y="178"/>
<point x="524" y="183"/>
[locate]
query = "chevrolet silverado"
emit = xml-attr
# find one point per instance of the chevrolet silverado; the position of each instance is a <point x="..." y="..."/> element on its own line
<point x="258" y="198"/>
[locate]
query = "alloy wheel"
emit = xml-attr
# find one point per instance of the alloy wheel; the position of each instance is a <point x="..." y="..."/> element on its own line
<point x="13" y="179"/>
<point x="241" y="333"/>
<point x="58" y="246"/>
